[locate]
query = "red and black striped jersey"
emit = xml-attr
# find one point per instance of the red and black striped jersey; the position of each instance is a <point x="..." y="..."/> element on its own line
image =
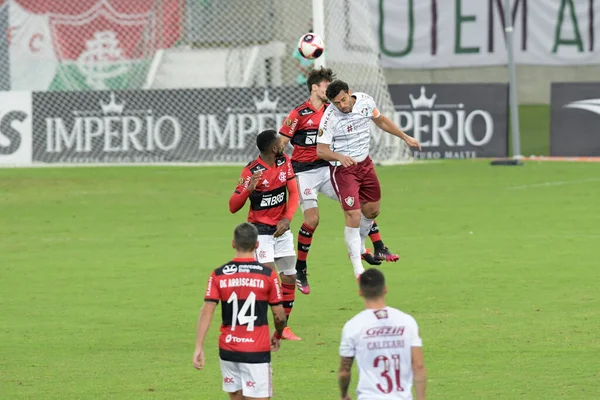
<point x="301" y="127"/>
<point x="268" y="201"/>
<point x="245" y="289"/>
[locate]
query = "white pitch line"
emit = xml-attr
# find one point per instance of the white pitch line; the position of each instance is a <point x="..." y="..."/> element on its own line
<point x="555" y="183"/>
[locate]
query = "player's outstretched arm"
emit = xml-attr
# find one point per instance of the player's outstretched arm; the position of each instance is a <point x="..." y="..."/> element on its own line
<point x="206" y="315"/>
<point x="387" y="125"/>
<point x="419" y="373"/>
<point x="344" y="376"/>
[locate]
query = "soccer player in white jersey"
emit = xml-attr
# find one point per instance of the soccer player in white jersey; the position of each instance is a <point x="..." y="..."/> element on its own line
<point x="300" y="128"/>
<point x="343" y="140"/>
<point x="386" y="345"/>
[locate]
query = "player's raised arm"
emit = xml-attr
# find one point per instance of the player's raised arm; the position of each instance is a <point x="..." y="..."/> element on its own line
<point x="386" y="124"/>
<point x="245" y="186"/>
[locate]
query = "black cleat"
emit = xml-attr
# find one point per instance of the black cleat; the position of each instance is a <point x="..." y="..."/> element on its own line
<point x="384" y="254"/>
<point x="370" y="258"/>
<point x="302" y="281"/>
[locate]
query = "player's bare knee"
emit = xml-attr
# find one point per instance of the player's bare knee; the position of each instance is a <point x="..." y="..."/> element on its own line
<point x="353" y="218"/>
<point x="372" y="214"/>
<point x="312" y="220"/>
<point x="370" y="210"/>
<point x="311" y="213"/>
<point x="237" y="395"/>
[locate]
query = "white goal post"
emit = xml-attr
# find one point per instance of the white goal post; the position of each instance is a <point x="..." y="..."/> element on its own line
<point x="268" y="61"/>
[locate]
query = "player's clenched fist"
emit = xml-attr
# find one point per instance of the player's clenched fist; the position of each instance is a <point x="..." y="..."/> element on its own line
<point x="254" y="181"/>
<point x="347" y="161"/>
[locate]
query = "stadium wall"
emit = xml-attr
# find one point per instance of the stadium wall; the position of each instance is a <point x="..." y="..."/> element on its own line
<point x="533" y="82"/>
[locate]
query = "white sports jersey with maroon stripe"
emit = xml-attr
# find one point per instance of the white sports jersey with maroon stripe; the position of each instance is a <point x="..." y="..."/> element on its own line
<point x="349" y="133"/>
<point x="380" y="342"/>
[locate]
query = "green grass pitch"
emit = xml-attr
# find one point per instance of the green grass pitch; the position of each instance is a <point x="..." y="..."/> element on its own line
<point x="103" y="272"/>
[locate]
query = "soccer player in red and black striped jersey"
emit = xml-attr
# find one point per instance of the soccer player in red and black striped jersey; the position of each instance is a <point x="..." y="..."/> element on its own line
<point x="266" y="181"/>
<point x="245" y="288"/>
<point x="313" y="175"/>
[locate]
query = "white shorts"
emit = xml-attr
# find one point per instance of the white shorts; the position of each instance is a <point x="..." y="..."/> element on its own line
<point x="254" y="380"/>
<point x="270" y="248"/>
<point x="313" y="182"/>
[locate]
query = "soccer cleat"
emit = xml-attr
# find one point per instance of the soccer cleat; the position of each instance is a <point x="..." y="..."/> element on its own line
<point x="369" y="258"/>
<point x="384" y="254"/>
<point x="302" y="281"/>
<point x="288" y="334"/>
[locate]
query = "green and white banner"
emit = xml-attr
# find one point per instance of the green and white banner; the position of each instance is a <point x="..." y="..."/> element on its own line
<point x="83" y="44"/>
<point x="469" y="33"/>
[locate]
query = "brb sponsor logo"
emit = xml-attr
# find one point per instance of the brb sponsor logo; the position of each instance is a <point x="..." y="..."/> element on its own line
<point x="271" y="201"/>
<point x="15" y="128"/>
<point x="445" y="129"/>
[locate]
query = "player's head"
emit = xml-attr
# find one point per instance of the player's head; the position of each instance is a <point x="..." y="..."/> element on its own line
<point x="340" y="95"/>
<point x="318" y="80"/>
<point x="269" y="142"/>
<point x="245" y="238"/>
<point x="372" y="284"/>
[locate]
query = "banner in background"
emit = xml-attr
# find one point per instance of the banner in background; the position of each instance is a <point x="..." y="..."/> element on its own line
<point x="15" y="128"/>
<point x="575" y="119"/>
<point x="454" y="120"/>
<point x="156" y="126"/>
<point x="86" y="44"/>
<point x="470" y="33"/>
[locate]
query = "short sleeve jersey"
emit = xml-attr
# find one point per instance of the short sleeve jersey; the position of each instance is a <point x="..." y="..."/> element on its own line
<point x="268" y="201"/>
<point x="301" y="127"/>
<point x="245" y="289"/>
<point x="381" y="342"/>
<point x="349" y="133"/>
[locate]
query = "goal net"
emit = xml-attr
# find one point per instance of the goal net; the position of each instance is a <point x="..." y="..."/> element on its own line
<point x="189" y="81"/>
<point x="353" y="54"/>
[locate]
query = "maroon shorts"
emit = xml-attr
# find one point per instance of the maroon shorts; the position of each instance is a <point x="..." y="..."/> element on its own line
<point x="356" y="184"/>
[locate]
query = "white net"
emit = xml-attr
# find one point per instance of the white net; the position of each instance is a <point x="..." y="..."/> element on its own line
<point x="124" y="81"/>
<point x="353" y="54"/>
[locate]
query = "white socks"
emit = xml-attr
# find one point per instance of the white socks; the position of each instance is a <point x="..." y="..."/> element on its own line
<point x="353" y="243"/>
<point x="365" y="227"/>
